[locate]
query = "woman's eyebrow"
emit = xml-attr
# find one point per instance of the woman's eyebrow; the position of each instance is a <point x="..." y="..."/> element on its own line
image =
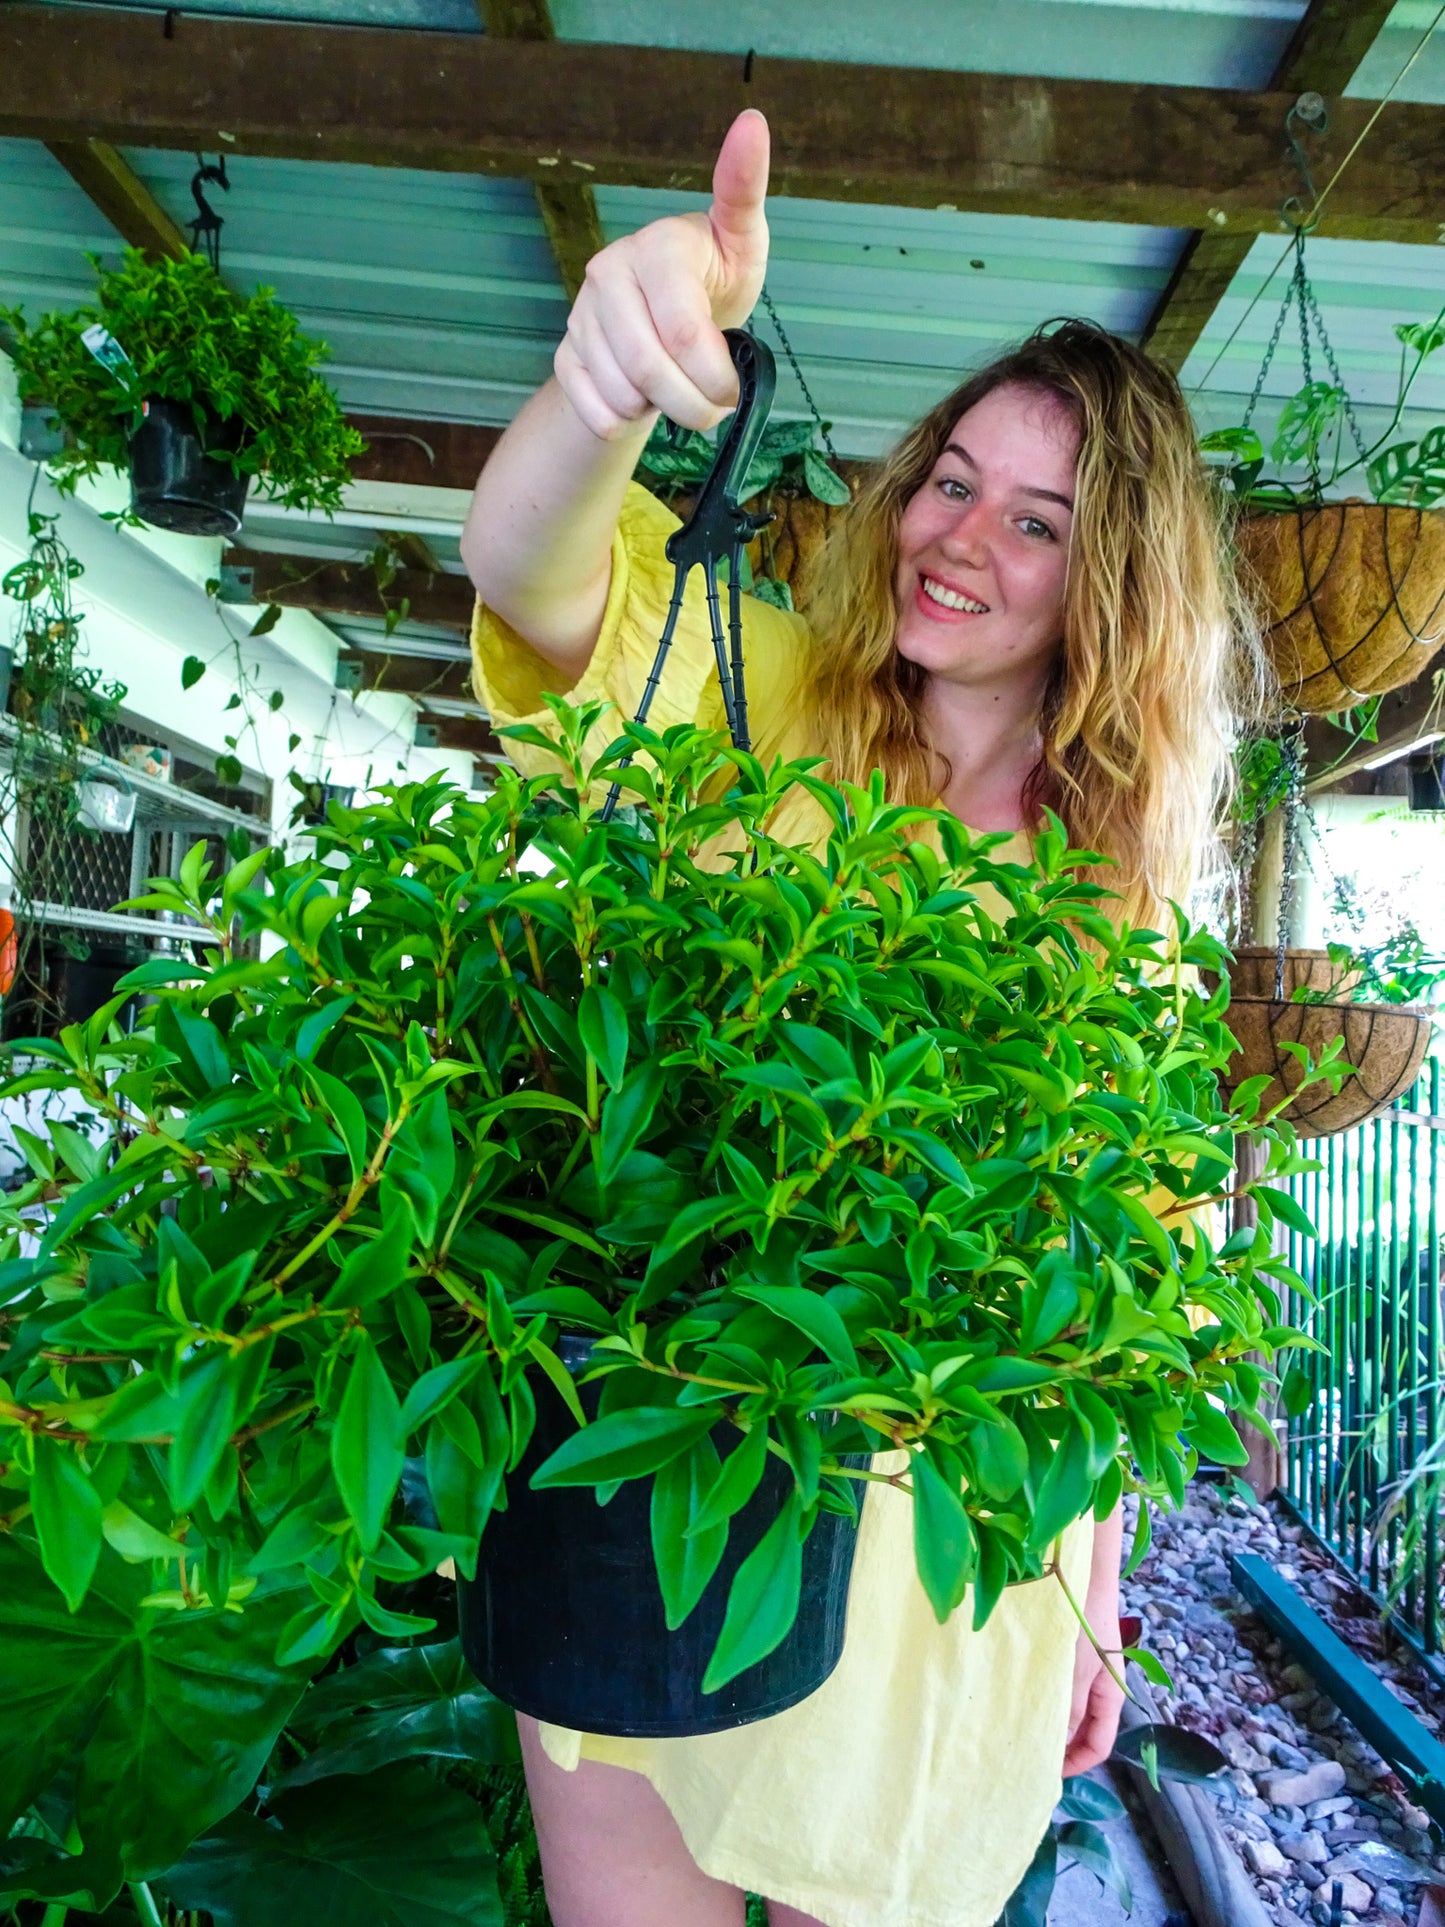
<point x="1044" y="494"/>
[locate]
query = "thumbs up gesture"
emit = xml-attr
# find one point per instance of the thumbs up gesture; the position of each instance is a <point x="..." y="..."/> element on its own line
<point x="645" y="333"/>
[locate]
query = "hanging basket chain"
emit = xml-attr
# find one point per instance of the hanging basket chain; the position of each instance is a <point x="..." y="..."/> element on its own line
<point x="798" y="375"/>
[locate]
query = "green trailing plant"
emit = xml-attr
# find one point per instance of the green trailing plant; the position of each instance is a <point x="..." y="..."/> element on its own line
<point x="241" y="364"/>
<point x="822" y="1152"/>
<point x="60" y="705"/>
<point x="1401" y="970"/>
<point x="1311" y="431"/>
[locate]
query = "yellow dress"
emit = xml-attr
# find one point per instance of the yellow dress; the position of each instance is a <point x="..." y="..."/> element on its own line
<point x="912" y="1789"/>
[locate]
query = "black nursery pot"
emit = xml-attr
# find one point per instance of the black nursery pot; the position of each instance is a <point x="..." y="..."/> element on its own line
<point x="174" y="484"/>
<point x="565" y="1621"/>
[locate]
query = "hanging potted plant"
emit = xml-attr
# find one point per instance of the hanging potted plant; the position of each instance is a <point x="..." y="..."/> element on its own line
<point x="1351" y="591"/>
<point x="1292" y="1010"/>
<point x="193" y="388"/>
<point x="570" y="1168"/>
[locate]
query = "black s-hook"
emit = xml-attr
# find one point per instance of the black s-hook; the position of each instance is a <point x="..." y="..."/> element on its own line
<point x="208" y="223"/>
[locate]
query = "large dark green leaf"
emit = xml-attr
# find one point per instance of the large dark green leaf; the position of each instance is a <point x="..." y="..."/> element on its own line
<point x="401" y="1703"/>
<point x="397" y="1848"/>
<point x="763" y="1599"/>
<point x="167" y="1716"/>
<point x="623" y="1445"/>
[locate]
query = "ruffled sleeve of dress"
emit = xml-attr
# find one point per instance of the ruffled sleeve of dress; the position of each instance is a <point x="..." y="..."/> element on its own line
<point x="511" y="679"/>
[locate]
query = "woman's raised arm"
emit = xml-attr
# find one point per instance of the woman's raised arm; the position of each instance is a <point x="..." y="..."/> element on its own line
<point x="644" y="335"/>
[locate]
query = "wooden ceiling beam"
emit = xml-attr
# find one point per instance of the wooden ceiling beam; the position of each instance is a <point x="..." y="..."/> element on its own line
<point x="563" y="112"/>
<point x="1332" y="755"/>
<point x="473" y="734"/>
<point x="421" y="453"/>
<point x="414" y="676"/>
<point x="350" y="589"/>
<point x="113" y="185"/>
<point x="1329" y="43"/>
<point x="569" y="209"/>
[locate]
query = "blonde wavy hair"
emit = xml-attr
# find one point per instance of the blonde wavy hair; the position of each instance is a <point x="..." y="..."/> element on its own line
<point x="1160" y="655"/>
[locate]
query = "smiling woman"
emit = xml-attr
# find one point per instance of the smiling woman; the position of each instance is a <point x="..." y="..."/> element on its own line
<point x="1026" y="607"/>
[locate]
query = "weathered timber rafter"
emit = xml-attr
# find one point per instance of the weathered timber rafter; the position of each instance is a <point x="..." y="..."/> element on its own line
<point x="350" y="588"/>
<point x="113" y="185"/>
<point x="568" y="209"/>
<point x="564" y="113"/>
<point x="473" y="734"/>
<point x="421" y="453"/>
<point x="1331" y="40"/>
<point x="416" y="676"/>
<point x="1405" y="715"/>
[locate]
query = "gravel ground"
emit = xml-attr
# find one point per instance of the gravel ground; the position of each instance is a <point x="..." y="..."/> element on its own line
<point x="1306" y="1801"/>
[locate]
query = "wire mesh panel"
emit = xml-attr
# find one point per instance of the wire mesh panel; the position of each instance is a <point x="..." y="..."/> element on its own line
<point x="1366" y="1459"/>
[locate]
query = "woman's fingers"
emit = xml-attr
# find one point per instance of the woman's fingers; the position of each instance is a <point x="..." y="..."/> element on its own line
<point x="661" y="353"/>
<point x="645" y="331"/>
<point x="736" y="217"/>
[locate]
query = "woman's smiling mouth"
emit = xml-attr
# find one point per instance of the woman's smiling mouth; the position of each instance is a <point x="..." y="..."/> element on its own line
<point x="940" y="596"/>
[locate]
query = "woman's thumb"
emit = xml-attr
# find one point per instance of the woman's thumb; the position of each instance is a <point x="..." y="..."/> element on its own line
<point x="739" y="189"/>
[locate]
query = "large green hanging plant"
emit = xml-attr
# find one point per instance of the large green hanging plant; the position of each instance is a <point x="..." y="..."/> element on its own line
<point x="241" y="363"/>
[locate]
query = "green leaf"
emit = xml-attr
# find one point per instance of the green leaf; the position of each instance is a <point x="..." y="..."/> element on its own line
<point x="1090" y="1847"/>
<point x="1287" y="1209"/>
<point x="68" y="1515"/>
<point x="603" y="1024"/>
<point x="685" y="1559"/>
<point x="1179" y="1753"/>
<point x="372" y="1270"/>
<point x="811" y="1314"/>
<point x="165" y="1718"/>
<point x="738" y="1480"/>
<point x="192" y="670"/>
<point x="1086" y="1799"/>
<point x="1209" y="1431"/>
<point x="437" y="1388"/>
<point x="266" y="621"/>
<point x="210" y="1392"/>
<point x="628" y="1112"/>
<point x="824" y="483"/>
<point x="944" y="1547"/>
<point x="401" y="1703"/>
<point x="1066" y="1488"/>
<point x="762" y="1600"/>
<point x="1297" y="1392"/>
<point x="1423" y="337"/>
<point x="367" y="1443"/>
<point x="624" y="1445"/>
<point x="397" y="1848"/>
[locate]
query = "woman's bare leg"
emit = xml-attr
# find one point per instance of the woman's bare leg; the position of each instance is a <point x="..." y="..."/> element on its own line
<point x="612" y="1855"/>
<point x="781" y="1916"/>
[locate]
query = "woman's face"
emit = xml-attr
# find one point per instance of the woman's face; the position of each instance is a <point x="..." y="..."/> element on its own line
<point x="983" y="547"/>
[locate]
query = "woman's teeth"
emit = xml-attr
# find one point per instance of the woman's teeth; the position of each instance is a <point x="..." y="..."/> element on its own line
<point x="951" y="598"/>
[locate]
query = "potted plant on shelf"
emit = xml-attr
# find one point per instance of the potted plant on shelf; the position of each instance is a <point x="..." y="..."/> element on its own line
<point x="729" y="1175"/>
<point x="195" y="389"/>
<point x="790" y="477"/>
<point x="1352" y="591"/>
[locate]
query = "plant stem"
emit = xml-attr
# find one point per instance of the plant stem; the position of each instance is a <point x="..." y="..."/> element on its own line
<point x="145" y="1903"/>
<point x="1057" y="1569"/>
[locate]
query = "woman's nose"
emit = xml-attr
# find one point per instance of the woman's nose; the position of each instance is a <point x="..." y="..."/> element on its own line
<point x="966" y="539"/>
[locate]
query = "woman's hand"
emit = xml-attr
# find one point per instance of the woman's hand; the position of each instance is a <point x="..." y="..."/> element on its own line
<point x="1097" y="1701"/>
<point x="645" y="332"/>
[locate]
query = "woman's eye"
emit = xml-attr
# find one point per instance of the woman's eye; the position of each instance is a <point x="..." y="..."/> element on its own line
<point x="953" y="488"/>
<point x="1033" y="526"/>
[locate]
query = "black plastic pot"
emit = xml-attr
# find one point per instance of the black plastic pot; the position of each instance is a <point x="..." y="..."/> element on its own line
<point x="564" y="1620"/>
<point x="174" y="484"/>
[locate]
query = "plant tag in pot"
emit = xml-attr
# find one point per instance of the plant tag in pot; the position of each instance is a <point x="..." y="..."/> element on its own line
<point x="108" y="352"/>
<point x="102" y="806"/>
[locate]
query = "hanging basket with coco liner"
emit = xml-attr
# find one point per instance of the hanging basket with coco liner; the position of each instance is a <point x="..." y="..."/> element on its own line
<point x="1352" y="596"/>
<point x="1351" y="593"/>
<point x="1384" y="1045"/>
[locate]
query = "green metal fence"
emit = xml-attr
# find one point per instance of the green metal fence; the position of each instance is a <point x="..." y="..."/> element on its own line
<point x="1365" y="1465"/>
